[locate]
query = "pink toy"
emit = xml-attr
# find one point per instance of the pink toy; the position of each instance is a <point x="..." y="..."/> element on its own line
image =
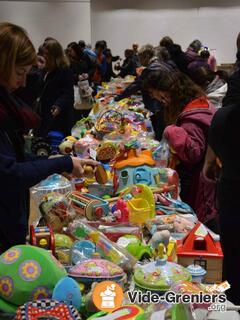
<point x="182" y="225"/>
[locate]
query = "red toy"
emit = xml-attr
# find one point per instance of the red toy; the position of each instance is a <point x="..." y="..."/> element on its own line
<point x="42" y="237"/>
<point x="198" y="247"/>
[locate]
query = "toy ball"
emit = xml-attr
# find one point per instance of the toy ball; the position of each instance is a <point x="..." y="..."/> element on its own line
<point x="68" y="290"/>
<point x="63" y="241"/>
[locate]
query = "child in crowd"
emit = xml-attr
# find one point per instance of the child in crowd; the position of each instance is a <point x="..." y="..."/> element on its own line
<point x="188" y="115"/>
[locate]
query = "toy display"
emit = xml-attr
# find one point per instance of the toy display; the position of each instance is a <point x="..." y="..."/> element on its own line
<point x="93" y="208"/>
<point x="106" y="248"/>
<point x="123" y="221"/>
<point x="42" y="237"/>
<point x="198" y="247"/>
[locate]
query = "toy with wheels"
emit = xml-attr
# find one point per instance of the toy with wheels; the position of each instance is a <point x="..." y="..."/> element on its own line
<point x="40" y="146"/>
<point x="85" y="204"/>
<point x="42" y="237"/>
<point x="135" y="246"/>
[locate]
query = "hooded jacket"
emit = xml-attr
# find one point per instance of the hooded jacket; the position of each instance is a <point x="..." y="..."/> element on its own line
<point x="189" y="140"/>
<point x="216" y="91"/>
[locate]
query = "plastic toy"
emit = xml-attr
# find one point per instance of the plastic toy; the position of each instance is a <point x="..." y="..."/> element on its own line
<point x="198" y="247"/>
<point x="82" y="250"/>
<point x="96" y="270"/>
<point x="66" y="146"/>
<point x="81" y="148"/>
<point x="42" y="237"/>
<point x="82" y="127"/>
<point x="107" y="249"/>
<point x="47" y="309"/>
<point x="127" y="312"/>
<point x="68" y="291"/>
<point x="55" y="138"/>
<point x="197" y="272"/>
<point x="106" y="151"/>
<point x="160" y="237"/>
<point x="116" y="230"/>
<point x="158" y="276"/>
<point x="85" y="204"/>
<point x="138" y="168"/>
<point x="136" y="205"/>
<point x="110" y="121"/>
<point x="135" y="246"/>
<point x="54" y="209"/>
<point x="27" y="273"/>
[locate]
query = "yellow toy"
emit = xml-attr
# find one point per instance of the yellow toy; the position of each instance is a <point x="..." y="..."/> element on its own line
<point x="136" y="205"/>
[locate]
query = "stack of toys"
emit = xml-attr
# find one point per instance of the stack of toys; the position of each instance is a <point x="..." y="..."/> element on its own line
<point x="124" y="223"/>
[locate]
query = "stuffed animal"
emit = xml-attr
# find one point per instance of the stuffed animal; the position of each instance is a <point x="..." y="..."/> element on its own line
<point x="160" y="237"/>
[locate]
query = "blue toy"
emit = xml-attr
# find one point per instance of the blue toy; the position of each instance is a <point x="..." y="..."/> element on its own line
<point x="68" y="291"/>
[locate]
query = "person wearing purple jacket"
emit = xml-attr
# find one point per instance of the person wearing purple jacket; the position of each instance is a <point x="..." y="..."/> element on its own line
<point x="188" y="115"/>
<point x="19" y="172"/>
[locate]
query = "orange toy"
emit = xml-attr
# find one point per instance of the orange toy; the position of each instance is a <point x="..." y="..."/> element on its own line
<point x="132" y="159"/>
<point x="198" y="247"/>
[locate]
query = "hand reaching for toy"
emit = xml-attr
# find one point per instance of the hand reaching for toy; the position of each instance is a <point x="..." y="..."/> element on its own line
<point x="81" y="167"/>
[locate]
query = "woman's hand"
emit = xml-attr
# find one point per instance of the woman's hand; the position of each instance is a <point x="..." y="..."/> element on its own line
<point x="211" y="168"/>
<point x="79" y="167"/>
<point x="55" y="110"/>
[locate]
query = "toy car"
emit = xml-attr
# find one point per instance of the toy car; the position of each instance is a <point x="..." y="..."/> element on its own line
<point x="134" y="246"/>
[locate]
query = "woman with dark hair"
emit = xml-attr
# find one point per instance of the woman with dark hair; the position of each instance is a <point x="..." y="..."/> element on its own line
<point x="213" y="84"/>
<point x="80" y="62"/>
<point x="188" y="115"/>
<point x="129" y="64"/>
<point x="57" y="95"/>
<point x="19" y="172"/>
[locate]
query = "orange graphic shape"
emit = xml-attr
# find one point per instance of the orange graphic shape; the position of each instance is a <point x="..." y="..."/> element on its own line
<point x="107" y="296"/>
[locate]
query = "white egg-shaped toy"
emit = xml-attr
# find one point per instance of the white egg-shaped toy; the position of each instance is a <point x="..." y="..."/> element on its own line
<point x="68" y="290"/>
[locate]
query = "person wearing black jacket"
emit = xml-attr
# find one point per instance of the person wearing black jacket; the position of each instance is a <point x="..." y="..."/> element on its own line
<point x="57" y="93"/>
<point x="17" y="171"/>
<point x="146" y="54"/>
<point x="129" y="65"/>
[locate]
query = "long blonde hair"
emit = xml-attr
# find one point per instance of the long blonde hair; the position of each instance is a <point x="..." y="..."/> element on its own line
<point x="16" y="49"/>
<point x="56" y="54"/>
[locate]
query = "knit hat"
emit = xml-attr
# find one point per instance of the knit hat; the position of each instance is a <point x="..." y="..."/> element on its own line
<point x="27" y="273"/>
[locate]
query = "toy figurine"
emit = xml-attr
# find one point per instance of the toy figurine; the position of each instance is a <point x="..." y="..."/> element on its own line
<point x="158" y="238"/>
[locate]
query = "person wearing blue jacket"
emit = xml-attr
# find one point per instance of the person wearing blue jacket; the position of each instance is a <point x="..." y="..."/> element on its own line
<point x="17" y="171"/>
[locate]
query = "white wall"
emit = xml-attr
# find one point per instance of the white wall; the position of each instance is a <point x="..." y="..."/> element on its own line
<point x="66" y="21"/>
<point x="122" y="22"/>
